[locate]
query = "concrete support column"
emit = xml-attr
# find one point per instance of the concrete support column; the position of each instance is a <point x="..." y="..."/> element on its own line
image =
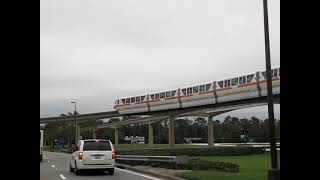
<point x="210" y="132"/>
<point x="171" y="132"/>
<point x="150" y="134"/>
<point x="116" y="138"/>
<point x="93" y="134"/>
<point x="78" y="132"/>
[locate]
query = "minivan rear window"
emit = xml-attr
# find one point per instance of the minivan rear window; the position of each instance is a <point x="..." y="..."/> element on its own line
<point x="96" y="146"/>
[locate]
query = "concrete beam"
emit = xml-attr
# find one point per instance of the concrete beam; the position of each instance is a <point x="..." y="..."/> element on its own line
<point x="150" y="141"/>
<point x="82" y="117"/>
<point x="210" y="132"/>
<point x="144" y="120"/>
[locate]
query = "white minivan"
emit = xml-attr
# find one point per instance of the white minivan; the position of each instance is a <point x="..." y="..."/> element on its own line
<point x="93" y="154"/>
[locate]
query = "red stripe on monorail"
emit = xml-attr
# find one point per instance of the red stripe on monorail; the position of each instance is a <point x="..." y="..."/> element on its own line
<point x="154" y="100"/>
<point x="222" y="89"/>
<point x="176" y="97"/>
<point x="247" y="84"/>
<point x="121" y="105"/>
<point x="273" y="79"/>
<point x="208" y="92"/>
<point x="141" y="102"/>
<point x="186" y="95"/>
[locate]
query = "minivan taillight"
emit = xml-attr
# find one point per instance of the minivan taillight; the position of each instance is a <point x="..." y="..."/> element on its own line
<point x="80" y="155"/>
<point x="113" y="154"/>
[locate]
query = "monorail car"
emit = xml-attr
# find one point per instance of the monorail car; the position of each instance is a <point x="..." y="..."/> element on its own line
<point x="242" y="87"/>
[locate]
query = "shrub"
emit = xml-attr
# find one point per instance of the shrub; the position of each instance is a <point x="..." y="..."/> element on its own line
<point x="194" y="164"/>
<point x="216" y="151"/>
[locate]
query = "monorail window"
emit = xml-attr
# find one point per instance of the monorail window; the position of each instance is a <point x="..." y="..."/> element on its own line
<point x="168" y="94"/>
<point x="162" y="95"/>
<point x="196" y="89"/>
<point x="152" y="96"/>
<point x="138" y="99"/>
<point x="157" y="96"/>
<point x="250" y="77"/>
<point x="208" y="86"/>
<point x="279" y="72"/>
<point x="227" y="83"/>
<point x="133" y="100"/>
<point x="242" y="80"/>
<point x="275" y="73"/>
<point x="202" y="88"/>
<point x="127" y="100"/>
<point x="264" y="74"/>
<point x="142" y="98"/>
<point x="184" y="90"/>
<point x="234" y="81"/>
<point x="123" y="101"/>
<point x="173" y="93"/>
<point x="189" y="90"/>
<point x="220" y="83"/>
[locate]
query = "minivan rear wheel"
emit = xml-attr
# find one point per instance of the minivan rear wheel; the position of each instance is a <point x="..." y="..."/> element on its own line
<point x="71" y="169"/>
<point x="76" y="170"/>
<point x="111" y="171"/>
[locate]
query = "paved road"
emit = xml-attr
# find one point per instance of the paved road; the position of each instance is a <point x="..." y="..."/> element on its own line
<point x="55" y="166"/>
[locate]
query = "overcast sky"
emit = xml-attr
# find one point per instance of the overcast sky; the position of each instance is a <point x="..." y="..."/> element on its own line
<point x="94" y="51"/>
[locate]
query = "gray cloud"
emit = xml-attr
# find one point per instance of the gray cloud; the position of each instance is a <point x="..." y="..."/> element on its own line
<point x="97" y="51"/>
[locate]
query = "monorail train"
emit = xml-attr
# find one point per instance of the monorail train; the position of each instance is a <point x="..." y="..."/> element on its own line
<point x="242" y="87"/>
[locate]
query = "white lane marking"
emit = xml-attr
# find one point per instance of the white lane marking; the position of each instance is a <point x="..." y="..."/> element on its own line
<point x="138" y="174"/>
<point x="53" y="166"/>
<point x="62" y="176"/>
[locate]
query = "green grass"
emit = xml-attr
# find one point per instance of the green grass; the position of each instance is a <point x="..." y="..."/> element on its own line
<point x="252" y="167"/>
<point x="128" y="146"/>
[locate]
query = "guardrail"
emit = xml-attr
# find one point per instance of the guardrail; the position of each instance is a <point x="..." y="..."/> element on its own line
<point x="175" y="159"/>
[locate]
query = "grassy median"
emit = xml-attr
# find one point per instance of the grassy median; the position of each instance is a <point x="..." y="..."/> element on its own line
<point x="252" y="167"/>
<point x="128" y="146"/>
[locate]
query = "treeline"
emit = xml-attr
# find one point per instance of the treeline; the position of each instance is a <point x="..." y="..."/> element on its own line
<point x="228" y="130"/>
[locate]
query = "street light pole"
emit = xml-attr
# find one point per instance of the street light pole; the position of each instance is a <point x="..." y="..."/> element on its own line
<point x="274" y="173"/>
<point x="75" y="121"/>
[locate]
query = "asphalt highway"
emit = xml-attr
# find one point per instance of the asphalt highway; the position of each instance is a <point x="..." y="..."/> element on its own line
<point x="55" y="166"/>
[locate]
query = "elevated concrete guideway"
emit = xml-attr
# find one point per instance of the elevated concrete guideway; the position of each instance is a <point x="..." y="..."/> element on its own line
<point x="205" y="111"/>
<point x="82" y="117"/>
<point x="175" y="112"/>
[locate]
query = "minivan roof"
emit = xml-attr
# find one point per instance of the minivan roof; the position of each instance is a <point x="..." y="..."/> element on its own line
<point x="95" y="140"/>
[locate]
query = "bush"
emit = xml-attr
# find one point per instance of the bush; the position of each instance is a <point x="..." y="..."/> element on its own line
<point x="194" y="164"/>
<point x="197" y="164"/>
<point x="216" y="151"/>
